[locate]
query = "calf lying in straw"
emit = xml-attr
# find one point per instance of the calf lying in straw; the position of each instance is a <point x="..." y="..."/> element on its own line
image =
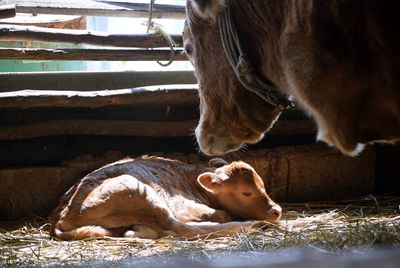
<point x="151" y="197"/>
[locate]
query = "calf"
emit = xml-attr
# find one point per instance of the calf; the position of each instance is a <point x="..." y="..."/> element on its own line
<point x="151" y="197"/>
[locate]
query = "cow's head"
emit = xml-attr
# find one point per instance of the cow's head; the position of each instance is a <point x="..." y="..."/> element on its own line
<point x="240" y="191"/>
<point x="229" y="114"/>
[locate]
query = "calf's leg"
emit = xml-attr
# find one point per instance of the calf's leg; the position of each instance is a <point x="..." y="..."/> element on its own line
<point x="190" y="211"/>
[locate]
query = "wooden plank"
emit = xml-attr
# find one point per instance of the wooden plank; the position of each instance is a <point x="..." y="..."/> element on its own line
<point x="7" y="11"/>
<point x="36" y="190"/>
<point x="47" y="21"/>
<point x="115" y="127"/>
<point x="91" y="54"/>
<point x="293" y="127"/>
<point x="97" y="8"/>
<point x="91" y="81"/>
<point x="42" y="34"/>
<point x="98" y="127"/>
<point x="154" y="112"/>
<point x="27" y="99"/>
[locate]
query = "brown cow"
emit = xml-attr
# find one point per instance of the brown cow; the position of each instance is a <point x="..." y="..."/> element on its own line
<point x="338" y="59"/>
<point x="151" y="197"/>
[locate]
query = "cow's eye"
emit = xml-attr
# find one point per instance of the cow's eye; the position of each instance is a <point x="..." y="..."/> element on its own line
<point x="188" y="50"/>
<point x="247" y="194"/>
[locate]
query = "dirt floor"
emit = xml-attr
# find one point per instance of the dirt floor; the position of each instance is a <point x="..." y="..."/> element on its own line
<point x="361" y="232"/>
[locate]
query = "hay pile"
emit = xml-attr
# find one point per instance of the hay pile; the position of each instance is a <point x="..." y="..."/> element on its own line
<point x="331" y="227"/>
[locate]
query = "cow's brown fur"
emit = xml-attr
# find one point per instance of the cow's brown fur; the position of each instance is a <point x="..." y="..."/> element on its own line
<point x="151" y="197"/>
<point x="338" y="59"/>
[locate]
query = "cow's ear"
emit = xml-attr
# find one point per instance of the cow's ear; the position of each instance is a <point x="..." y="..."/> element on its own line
<point x="210" y="181"/>
<point x="217" y="162"/>
<point x="208" y="8"/>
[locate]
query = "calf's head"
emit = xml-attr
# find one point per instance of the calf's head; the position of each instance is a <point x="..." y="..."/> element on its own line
<point x="240" y="191"/>
<point x="229" y="114"/>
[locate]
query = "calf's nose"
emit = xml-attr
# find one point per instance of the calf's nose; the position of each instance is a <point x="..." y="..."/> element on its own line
<point x="275" y="212"/>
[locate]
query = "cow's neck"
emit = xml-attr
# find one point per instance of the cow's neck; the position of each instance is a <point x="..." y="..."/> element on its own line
<point x="259" y="25"/>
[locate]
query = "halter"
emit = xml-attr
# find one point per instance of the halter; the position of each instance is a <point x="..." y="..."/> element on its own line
<point x="262" y="87"/>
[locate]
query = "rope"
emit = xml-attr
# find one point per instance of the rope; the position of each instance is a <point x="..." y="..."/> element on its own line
<point x="157" y="29"/>
<point x="242" y="67"/>
<point x="149" y="20"/>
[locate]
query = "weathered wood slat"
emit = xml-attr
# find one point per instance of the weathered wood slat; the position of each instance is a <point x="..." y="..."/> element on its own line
<point x="166" y="96"/>
<point x="97" y="8"/>
<point x="7" y="11"/>
<point x="27" y="99"/>
<point x="128" y="128"/>
<point x="42" y="34"/>
<point x="42" y="185"/>
<point x="90" y="54"/>
<point x="98" y="127"/>
<point x="91" y="81"/>
<point x="293" y="127"/>
<point x="158" y="112"/>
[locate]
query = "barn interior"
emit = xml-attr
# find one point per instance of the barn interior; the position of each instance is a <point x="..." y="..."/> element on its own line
<point x="62" y="115"/>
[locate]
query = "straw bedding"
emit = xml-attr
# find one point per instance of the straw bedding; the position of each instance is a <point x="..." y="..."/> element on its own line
<point x="331" y="227"/>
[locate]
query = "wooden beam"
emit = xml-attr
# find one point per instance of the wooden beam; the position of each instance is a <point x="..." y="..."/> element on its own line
<point x="7" y="11"/>
<point x="90" y="54"/>
<point x="54" y="181"/>
<point x="98" y="127"/>
<point x="293" y="127"/>
<point x="27" y="99"/>
<point x="91" y="81"/>
<point x="43" y="34"/>
<point x="132" y="128"/>
<point x="97" y="8"/>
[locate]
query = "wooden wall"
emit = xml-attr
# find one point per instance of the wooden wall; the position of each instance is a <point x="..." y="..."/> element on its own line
<point x="56" y="127"/>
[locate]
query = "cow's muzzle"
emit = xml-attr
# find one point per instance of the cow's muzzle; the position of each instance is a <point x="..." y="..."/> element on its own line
<point x="211" y="144"/>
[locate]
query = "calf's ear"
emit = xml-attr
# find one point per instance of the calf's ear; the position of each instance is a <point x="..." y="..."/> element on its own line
<point x="208" y="8"/>
<point x="210" y="181"/>
<point x="217" y="162"/>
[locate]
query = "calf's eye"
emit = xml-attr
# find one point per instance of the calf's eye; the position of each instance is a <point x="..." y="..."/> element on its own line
<point x="247" y="194"/>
